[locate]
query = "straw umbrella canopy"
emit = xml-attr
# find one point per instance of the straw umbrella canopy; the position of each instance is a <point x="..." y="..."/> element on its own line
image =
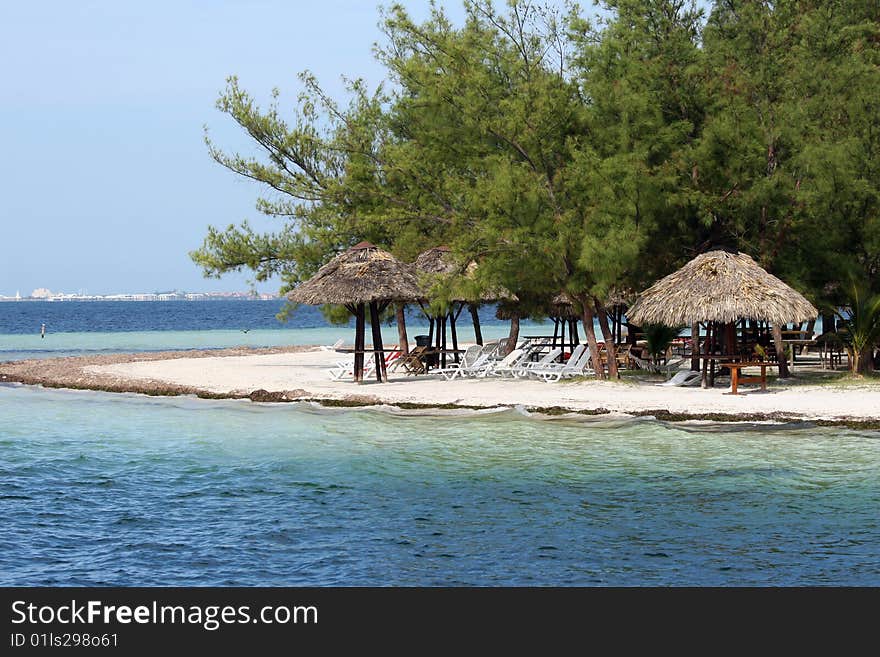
<point x="436" y="265"/>
<point x="363" y="276"/>
<point x="720" y="287"/>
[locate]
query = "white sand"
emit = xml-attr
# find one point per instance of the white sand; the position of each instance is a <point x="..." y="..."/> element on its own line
<point x="307" y="371"/>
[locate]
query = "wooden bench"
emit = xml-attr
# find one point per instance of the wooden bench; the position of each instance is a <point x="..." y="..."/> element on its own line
<point x="736" y="377"/>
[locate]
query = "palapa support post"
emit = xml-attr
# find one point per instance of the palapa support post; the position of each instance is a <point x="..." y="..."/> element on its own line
<point x="442" y="337"/>
<point x="562" y="340"/>
<point x="704" y="380"/>
<point x="556" y="321"/>
<point x="359" y="343"/>
<point x="363" y="274"/>
<point x="378" y="347"/>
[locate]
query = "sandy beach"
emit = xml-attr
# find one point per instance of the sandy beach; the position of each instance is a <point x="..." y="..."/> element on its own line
<point x="288" y="374"/>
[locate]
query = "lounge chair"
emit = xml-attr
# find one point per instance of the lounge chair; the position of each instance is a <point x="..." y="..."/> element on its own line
<point x="576" y="366"/>
<point x="528" y="368"/>
<point x="462" y="369"/>
<point x="345" y="369"/>
<point x="684" y="378"/>
<point x="336" y="345"/>
<point x="413" y="362"/>
<point x="510" y="366"/>
<point x="650" y="366"/>
<point x="553" y="366"/>
<point x="497" y="368"/>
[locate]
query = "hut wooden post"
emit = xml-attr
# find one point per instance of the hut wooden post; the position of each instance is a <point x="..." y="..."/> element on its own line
<point x="695" y="347"/>
<point x="454" y="336"/>
<point x="475" y="318"/>
<point x="442" y="340"/>
<point x="704" y="379"/>
<point x="378" y="347"/>
<point x="561" y="337"/>
<point x="573" y="333"/>
<point x="363" y="275"/>
<point x="359" y="343"/>
<point x="713" y="343"/>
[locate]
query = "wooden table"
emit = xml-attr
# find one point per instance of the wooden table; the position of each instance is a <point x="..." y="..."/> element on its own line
<point x="736" y="377"/>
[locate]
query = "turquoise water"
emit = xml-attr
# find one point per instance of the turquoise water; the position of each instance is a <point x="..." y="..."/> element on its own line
<point x="123" y="489"/>
<point x="17" y="347"/>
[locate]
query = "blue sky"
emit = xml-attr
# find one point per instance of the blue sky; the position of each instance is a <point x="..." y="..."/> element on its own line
<point x="105" y="182"/>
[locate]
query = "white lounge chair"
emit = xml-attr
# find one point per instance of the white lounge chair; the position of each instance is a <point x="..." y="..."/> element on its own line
<point x="554" y="366"/>
<point x="528" y="368"/>
<point x="336" y="345"/>
<point x="509" y="366"/>
<point x="577" y="365"/>
<point x="684" y="378"/>
<point x="462" y="369"/>
<point x="345" y="368"/>
<point x="496" y="368"/>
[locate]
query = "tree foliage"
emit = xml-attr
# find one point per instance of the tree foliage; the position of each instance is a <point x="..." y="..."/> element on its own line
<point x="591" y="156"/>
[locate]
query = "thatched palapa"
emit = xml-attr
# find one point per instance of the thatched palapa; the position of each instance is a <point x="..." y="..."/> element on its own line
<point x="362" y="274"/>
<point x="365" y="275"/>
<point x="721" y="287"/>
<point x="437" y="263"/>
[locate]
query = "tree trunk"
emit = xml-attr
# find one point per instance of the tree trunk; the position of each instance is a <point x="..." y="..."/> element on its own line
<point x="781" y="356"/>
<point x="513" y="336"/>
<point x="608" y="334"/>
<point x="590" y="332"/>
<point x="475" y="317"/>
<point x="863" y="361"/>
<point x="402" y="339"/>
<point x="695" y="347"/>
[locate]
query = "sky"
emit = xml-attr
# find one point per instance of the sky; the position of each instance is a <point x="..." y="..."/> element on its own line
<point x="105" y="180"/>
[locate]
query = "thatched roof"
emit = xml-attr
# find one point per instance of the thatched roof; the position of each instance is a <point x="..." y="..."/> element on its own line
<point x="720" y="287"/>
<point x="363" y="274"/>
<point x="437" y="262"/>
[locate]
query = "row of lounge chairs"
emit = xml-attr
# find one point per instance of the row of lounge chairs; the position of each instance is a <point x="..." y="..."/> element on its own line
<point x="528" y="360"/>
<point x="486" y="361"/>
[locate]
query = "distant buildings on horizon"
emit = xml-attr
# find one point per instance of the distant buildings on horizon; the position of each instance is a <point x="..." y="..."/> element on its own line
<point x="44" y="294"/>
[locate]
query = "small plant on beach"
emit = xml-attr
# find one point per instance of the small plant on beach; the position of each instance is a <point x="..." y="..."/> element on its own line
<point x="861" y="325"/>
<point x="659" y="337"/>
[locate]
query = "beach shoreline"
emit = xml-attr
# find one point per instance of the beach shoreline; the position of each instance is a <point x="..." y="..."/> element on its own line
<point x="297" y="374"/>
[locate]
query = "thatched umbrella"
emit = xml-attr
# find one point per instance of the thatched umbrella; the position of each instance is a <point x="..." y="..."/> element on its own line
<point x="563" y="313"/>
<point x="437" y="264"/>
<point x="364" y="275"/>
<point x="720" y="287"/>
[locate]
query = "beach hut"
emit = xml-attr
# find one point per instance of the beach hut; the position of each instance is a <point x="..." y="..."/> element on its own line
<point x="362" y="277"/>
<point x="564" y="314"/>
<point x="719" y="289"/>
<point x="437" y="265"/>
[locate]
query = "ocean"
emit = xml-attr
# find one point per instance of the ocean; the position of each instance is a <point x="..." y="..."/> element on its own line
<point x="119" y="489"/>
<point x="78" y="328"/>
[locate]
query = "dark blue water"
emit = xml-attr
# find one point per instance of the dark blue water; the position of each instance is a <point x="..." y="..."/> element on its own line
<point x="25" y="317"/>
